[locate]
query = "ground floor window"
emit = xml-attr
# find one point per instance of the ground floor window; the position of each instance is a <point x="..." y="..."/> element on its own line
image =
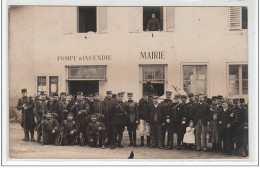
<point x="41" y="84"/>
<point x="152" y="18"/>
<point x="156" y="74"/>
<point x="53" y="85"/>
<point x="87" y="87"/>
<point x="87" y="72"/>
<point x="238" y="80"/>
<point x="195" y="79"/>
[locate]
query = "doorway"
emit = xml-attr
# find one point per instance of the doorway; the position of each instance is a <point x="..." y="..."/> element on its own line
<point x="87" y="87"/>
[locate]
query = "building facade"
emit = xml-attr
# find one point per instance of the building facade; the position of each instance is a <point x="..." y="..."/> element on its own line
<point x="95" y="49"/>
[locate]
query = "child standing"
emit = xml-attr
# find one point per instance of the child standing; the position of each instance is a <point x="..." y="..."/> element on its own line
<point x="189" y="137"/>
<point x="214" y="132"/>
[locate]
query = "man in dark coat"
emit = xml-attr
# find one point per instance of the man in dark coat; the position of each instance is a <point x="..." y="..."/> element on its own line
<point x="69" y="131"/>
<point x="153" y="24"/>
<point x="108" y="102"/>
<point x="244" y="139"/>
<point x="119" y="112"/>
<point x="180" y="121"/>
<point x="96" y="132"/>
<point x="156" y="120"/>
<point x="201" y="120"/>
<point x="26" y="105"/>
<point x="50" y="130"/>
<point x="97" y="106"/>
<point x="144" y="128"/>
<point x="167" y="106"/>
<point x="132" y="119"/>
<point x="57" y="107"/>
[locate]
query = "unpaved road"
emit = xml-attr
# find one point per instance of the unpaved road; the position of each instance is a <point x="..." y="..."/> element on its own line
<point x="32" y="150"/>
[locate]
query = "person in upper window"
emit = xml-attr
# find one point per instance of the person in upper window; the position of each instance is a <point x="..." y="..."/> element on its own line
<point x="153" y="24"/>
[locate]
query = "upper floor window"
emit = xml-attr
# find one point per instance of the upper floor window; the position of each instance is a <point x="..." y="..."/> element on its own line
<point x="92" y="19"/>
<point x="238" y="18"/>
<point x="152" y="18"/>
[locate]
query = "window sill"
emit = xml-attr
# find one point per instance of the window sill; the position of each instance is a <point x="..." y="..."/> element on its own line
<point x="89" y="34"/>
<point x="239" y="32"/>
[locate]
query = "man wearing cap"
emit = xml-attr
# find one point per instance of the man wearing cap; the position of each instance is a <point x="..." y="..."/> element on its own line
<point x="41" y="108"/>
<point x="190" y="107"/>
<point x="119" y="112"/>
<point x="81" y="110"/>
<point x="156" y="120"/>
<point x="98" y="106"/>
<point x="173" y="125"/>
<point x="144" y="128"/>
<point x="201" y="119"/>
<point x="50" y="130"/>
<point x="26" y="105"/>
<point x="108" y="102"/>
<point x="56" y="107"/>
<point x="167" y="106"/>
<point x="96" y="132"/>
<point x="180" y="120"/>
<point x="69" y="131"/>
<point x="132" y="119"/>
<point x="239" y="125"/>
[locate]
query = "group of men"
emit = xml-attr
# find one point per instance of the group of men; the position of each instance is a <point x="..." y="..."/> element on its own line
<point x="88" y="120"/>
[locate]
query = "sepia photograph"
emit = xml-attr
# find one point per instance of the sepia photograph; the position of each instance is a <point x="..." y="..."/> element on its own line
<point x="128" y="82"/>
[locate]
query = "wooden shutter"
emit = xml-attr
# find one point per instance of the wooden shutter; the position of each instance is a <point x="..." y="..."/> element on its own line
<point x="135" y="19"/>
<point x="102" y="19"/>
<point x="235" y="18"/>
<point x="170" y="19"/>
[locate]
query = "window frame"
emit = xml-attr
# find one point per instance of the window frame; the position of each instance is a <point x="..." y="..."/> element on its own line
<point x="195" y="64"/>
<point x="49" y="89"/>
<point x="241" y="20"/>
<point x="240" y="79"/>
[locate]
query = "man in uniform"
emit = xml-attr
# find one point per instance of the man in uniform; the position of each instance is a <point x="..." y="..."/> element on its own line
<point x="50" y="130"/>
<point x="26" y="105"/>
<point x="153" y="24"/>
<point x="108" y="102"/>
<point x="132" y="119"/>
<point x="172" y="125"/>
<point x="98" y="106"/>
<point x="156" y="120"/>
<point x="180" y="121"/>
<point x="118" y="120"/>
<point x="190" y="107"/>
<point x="201" y="120"/>
<point x="57" y="107"/>
<point x="144" y="128"/>
<point x="96" y="132"/>
<point x="244" y="139"/>
<point x="69" y="131"/>
<point x="81" y="110"/>
<point x="167" y="106"/>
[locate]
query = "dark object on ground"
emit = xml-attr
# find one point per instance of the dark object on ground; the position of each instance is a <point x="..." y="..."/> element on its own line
<point x="131" y="155"/>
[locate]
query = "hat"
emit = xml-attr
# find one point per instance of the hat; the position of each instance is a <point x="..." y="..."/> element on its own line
<point x="155" y="97"/>
<point x="214" y="98"/>
<point x="79" y="93"/>
<point x="70" y="114"/>
<point x="191" y="95"/>
<point x="130" y="94"/>
<point x="176" y="96"/>
<point x="220" y="97"/>
<point x="236" y="101"/>
<point x="168" y="92"/>
<point x="109" y="92"/>
<point x="114" y="95"/>
<point x="145" y="93"/>
<point x="120" y="94"/>
<point x="184" y="97"/>
<point x="55" y="94"/>
<point x="242" y="100"/>
<point x="24" y="90"/>
<point x="63" y="94"/>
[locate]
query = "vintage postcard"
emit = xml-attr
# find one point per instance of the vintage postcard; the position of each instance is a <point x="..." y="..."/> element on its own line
<point x="140" y="82"/>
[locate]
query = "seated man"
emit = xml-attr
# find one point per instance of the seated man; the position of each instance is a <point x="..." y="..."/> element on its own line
<point x="96" y="132"/>
<point x="50" y="129"/>
<point x="69" y="131"/>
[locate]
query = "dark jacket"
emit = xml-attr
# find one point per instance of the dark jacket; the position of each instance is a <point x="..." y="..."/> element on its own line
<point x="107" y="107"/>
<point x="202" y="111"/>
<point x="153" y="25"/>
<point x="28" y="114"/>
<point x="132" y="112"/>
<point x="119" y="112"/>
<point x="144" y="106"/>
<point x="159" y="111"/>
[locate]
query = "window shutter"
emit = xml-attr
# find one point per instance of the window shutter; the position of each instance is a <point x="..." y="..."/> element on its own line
<point x="170" y="16"/>
<point x="135" y="19"/>
<point x="235" y="18"/>
<point x="102" y="19"/>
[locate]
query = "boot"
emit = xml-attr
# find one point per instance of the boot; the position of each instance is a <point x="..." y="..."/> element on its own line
<point x="120" y="140"/>
<point x="148" y="141"/>
<point x="26" y="135"/>
<point x="32" y="136"/>
<point x="142" y="141"/>
<point x="38" y="138"/>
<point x="134" y="139"/>
<point x="130" y="138"/>
<point x="113" y="146"/>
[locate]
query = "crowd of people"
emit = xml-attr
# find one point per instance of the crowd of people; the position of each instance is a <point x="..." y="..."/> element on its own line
<point x="86" y="120"/>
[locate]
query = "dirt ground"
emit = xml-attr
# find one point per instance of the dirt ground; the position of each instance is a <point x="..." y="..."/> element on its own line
<point x="31" y="150"/>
